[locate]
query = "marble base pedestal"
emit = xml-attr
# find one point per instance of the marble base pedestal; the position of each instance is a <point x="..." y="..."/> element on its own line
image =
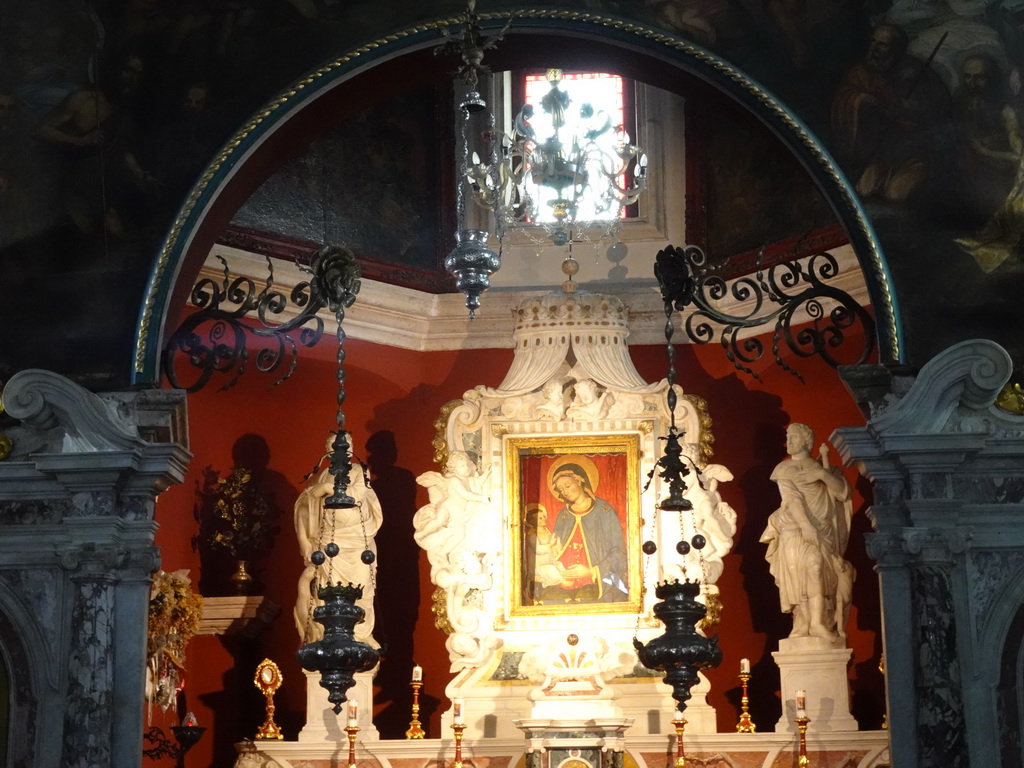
<point x="819" y="668"/>
<point x="590" y="743"/>
<point x="321" y="722"/>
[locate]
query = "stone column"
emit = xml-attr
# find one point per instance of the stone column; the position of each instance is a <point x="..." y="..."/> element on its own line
<point x="78" y="493"/>
<point x="948" y="472"/>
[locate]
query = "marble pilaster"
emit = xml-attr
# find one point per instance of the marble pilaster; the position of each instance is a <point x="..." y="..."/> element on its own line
<point x="76" y="555"/>
<point x="946" y="464"/>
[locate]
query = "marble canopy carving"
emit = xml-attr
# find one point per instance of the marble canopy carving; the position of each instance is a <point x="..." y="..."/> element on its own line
<point x="528" y="634"/>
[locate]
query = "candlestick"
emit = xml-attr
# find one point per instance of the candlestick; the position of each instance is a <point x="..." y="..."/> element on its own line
<point x="458" y="728"/>
<point x="744" y="666"/>
<point x="351" y="730"/>
<point x="457" y="711"/>
<point x="353" y="714"/>
<point x="679" y="724"/>
<point x="417" y="674"/>
<point x="415" y="728"/>
<point x="801" y="724"/>
<point x="745" y="725"/>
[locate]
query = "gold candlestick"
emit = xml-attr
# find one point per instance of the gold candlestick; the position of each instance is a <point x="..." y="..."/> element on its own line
<point x="679" y="724"/>
<point x="351" y="730"/>
<point x="745" y="725"/>
<point x="801" y="724"/>
<point x="268" y="679"/>
<point x="458" y="728"/>
<point x="415" y="729"/>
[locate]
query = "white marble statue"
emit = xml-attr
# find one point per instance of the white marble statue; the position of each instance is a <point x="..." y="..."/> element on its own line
<point x="712" y="517"/>
<point x="572" y="675"/>
<point x="353" y="530"/>
<point x="807" y="537"/>
<point x="551" y="406"/>
<point x="589" y="402"/>
<point x="457" y="515"/>
<point x="546" y="404"/>
<point x="460" y="529"/>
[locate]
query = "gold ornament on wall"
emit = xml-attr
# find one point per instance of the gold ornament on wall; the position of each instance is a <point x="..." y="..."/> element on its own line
<point x="1011" y="398"/>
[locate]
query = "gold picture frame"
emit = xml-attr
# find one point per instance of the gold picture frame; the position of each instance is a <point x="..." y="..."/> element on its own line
<point x="574" y="511"/>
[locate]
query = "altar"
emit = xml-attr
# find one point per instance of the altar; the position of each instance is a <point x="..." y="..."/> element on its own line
<point x="548" y="537"/>
<point x="864" y="749"/>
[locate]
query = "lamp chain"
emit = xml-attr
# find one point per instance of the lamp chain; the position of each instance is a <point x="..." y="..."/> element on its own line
<point x="670" y="351"/>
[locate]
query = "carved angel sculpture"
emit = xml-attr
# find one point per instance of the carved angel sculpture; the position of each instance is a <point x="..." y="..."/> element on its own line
<point x="712" y="517"/>
<point x="460" y="530"/>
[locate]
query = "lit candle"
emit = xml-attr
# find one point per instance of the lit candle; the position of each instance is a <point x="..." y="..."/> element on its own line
<point x="744" y="666"/>
<point x="189" y="720"/>
<point x="457" y="711"/>
<point x="801" y="703"/>
<point x="417" y="674"/>
<point x="353" y="714"/>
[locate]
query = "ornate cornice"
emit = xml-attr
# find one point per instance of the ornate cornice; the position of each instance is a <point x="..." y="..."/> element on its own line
<point x="969" y="374"/>
<point x="412" y="319"/>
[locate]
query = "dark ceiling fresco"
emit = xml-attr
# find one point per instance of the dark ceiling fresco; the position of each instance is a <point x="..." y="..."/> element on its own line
<point x="110" y="110"/>
<point x="376" y="182"/>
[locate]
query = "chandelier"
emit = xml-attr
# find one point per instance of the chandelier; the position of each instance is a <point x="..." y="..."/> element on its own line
<point x="561" y="174"/>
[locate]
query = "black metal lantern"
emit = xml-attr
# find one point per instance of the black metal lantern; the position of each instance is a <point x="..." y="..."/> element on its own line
<point x="338" y="656"/>
<point x="682" y="650"/>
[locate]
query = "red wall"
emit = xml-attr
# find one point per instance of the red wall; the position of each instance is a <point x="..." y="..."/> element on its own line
<point x="400" y="392"/>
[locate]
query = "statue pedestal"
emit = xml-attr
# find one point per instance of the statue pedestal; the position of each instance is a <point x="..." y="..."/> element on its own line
<point x="322" y="725"/>
<point x="818" y="667"/>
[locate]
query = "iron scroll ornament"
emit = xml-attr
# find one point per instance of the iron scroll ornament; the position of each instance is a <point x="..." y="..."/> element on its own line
<point x="215" y="338"/>
<point x="772" y="295"/>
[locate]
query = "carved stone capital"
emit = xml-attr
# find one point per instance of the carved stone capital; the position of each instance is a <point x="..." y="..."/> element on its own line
<point x="105" y="548"/>
<point x="869" y="385"/>
<point x="90" y="561"/>
<point x="935" y="545"/>
<point x="886" y="549"/>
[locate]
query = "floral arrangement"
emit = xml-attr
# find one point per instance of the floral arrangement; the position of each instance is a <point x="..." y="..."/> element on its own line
<point x="174" y="615"/>
<point x="243" y="516"/>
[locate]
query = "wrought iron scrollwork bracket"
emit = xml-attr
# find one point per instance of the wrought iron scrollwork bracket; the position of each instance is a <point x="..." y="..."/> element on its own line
<point x="772" y="296"/>
<point x="215" y="338"/>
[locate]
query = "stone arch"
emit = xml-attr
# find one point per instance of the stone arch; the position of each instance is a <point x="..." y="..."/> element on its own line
<point x="1003" y="631"/>
<point x="190" y="234"/>
<point x="35" y="702"/>
<point x="1009" y="703"/>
